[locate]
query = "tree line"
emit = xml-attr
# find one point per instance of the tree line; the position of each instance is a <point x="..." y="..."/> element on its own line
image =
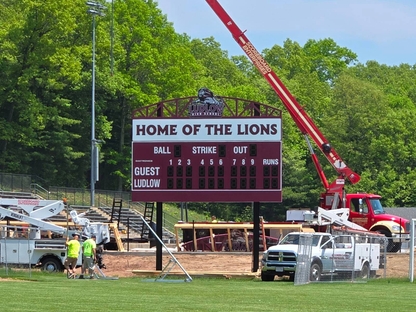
<point x="365" y="110"/>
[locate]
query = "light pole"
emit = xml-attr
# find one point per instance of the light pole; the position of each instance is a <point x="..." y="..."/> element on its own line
<point x="94" y="8"/>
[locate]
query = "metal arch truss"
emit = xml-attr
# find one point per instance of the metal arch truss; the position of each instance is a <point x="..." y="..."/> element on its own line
<point x="233" y="107"/>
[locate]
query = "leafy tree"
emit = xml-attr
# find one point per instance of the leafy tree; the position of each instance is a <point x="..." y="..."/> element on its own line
<point x="151" y="63"/>
<point x="328" y="59"/>
<point x="376" y="135"/>
<point x="41" y="62"/>
<point x="220" y="73"/>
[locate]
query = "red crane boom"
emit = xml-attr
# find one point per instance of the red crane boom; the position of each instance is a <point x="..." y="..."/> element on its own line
<point x="301" y="118"/>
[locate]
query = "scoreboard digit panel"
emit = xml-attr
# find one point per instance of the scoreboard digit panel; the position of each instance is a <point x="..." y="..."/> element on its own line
<point x="207" y="171"/>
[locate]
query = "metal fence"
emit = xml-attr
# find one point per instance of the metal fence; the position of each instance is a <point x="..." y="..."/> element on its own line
<point x="10" y="182"/>
<point x="15" y="182"/>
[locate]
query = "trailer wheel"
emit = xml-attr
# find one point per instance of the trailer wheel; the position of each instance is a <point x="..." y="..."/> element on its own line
<point x="315" y="273"/>
<point x="51" y="265"/>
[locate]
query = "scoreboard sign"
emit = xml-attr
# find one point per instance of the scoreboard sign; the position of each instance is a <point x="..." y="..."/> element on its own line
<point x="207" y="160"/>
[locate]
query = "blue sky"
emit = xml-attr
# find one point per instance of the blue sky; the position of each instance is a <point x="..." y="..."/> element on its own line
<point x="380" y="30"/>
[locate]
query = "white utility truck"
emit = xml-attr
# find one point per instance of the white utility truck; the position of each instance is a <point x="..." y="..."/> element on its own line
<point x="25" y="237"/>
<point x="343" y="254"/>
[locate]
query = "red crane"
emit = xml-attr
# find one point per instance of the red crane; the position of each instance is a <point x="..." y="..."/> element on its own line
<point x="301" y="118"/>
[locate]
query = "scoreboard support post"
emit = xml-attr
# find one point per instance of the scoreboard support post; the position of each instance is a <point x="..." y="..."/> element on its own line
<point x="159" y="232"/>
<point x="159" y="221"/>
<point x="256" y="233"/>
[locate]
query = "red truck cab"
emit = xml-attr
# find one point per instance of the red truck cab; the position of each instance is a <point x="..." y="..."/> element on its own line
<point x="366" y="210"/>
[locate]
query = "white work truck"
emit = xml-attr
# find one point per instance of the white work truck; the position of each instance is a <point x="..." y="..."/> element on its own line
<point x="22" y="226"/>
<point x="48" y="254"/>
<point x="23" y="249"/>
<point x="342" y="255"/>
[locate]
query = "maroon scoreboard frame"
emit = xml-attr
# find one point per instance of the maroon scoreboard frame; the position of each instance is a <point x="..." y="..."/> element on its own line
<point x="235" y="158"/>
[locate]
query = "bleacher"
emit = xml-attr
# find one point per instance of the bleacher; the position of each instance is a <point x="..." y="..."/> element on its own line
<point x="128" y="219"/>
<point x="18" y="195"/>
<point x="131" y="219"/>
<point x="91" y="214"/>
<point x="57" y="218"/>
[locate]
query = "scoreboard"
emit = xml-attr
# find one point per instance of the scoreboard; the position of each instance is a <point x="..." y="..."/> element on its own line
<point x="207" y="160"/>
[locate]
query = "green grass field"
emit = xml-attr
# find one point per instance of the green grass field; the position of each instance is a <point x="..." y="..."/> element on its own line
<point x="54" y="292"/>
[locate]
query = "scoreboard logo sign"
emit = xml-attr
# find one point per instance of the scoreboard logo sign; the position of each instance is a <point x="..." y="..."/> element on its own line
<point x="206" y="105"/>
<point x="205" y="159"/>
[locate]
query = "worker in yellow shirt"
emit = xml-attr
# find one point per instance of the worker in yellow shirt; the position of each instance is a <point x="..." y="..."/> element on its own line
<point x="73" y="246"/>
<point x="89" y="249"/>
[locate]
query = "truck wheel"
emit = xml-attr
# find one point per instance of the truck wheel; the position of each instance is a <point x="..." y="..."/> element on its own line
<point x="267" y="277"/>
<point x="365" y="271"/>
<point x="315" y="273"/>
<point x="396" y="247"/>
<point x="51" y="265"/>
<point x="391" y="246"/>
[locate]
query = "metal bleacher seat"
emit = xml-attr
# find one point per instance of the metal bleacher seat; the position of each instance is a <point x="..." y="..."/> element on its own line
<point x="130" y="218"/>
<point x="127" y="218"/>
<point x="18" y="195"/>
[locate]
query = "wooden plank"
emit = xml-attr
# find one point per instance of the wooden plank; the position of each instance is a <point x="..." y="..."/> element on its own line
<point x="211" y="234"/>
<point x="117" y="236"/>
<point x="177" y="239"/>
<point x="229" y="239"/>
<point x="195" y="242"/>
<point x="238" y="226"/>
<point x="246" y="239"/>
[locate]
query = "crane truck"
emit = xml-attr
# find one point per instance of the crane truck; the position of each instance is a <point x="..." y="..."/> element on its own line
<point x="365" y="209"/>
<point x="22" y="222"/>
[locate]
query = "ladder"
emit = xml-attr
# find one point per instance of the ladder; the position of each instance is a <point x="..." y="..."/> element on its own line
<point x="117" y="204"/>
<point x="148" y="217"/>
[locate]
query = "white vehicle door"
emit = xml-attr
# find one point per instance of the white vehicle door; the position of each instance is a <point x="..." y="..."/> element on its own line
<point x="327" y="252"/>
<point x="343" y="253"/>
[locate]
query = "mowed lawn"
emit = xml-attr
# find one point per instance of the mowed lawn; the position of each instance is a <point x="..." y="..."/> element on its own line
<point x="54" y="292"/>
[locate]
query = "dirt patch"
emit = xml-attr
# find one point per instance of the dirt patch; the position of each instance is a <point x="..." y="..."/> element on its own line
<point x="122" y="264"/>
<point x="6" y="279"/>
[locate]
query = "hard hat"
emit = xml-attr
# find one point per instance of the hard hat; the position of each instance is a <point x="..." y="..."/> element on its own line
<point x="75" y="234"/>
